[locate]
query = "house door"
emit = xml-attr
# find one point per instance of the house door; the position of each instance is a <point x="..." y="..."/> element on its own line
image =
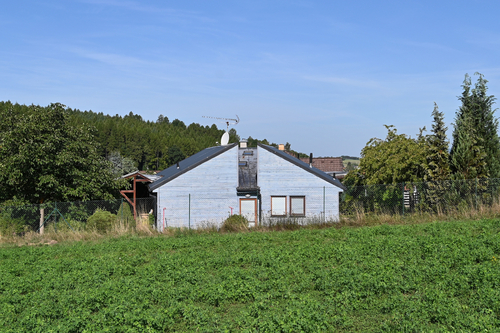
<point x="248" y="209"/>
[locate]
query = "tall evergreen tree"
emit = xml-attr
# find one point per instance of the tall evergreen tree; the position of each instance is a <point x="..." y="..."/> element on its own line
<point x="437" y="170"/>
<point x="475" y="152"/>
<point x="438" y="167"/>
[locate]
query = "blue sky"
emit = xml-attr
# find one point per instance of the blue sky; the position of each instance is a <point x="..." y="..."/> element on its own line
<point x="322" y="75"/>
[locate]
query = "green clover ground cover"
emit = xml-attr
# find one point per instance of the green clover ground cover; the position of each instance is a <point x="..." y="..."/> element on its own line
<point x="438" y="276"/>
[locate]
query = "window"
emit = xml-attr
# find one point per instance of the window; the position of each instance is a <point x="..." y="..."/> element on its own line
<point x="242" y="163"/>
<point x="298" y="206"/>
<point x="249" y="153"/>
<point x="278" y="206"/>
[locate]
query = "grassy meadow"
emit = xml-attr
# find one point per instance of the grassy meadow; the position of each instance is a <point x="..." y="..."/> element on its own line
<point x="436" y="276"/>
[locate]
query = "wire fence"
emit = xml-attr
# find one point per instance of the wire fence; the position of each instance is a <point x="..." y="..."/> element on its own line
<point x="431" y="197"/>
<point x="306" y="204"/>
<point x="69" y="215"/>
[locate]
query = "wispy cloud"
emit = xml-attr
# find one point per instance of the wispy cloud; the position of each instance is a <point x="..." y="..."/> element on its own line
<point x="109" y="58"/>
<point x="140" y="7"/>
<point x="345" y="81"/>
<point x="432" y="46"/>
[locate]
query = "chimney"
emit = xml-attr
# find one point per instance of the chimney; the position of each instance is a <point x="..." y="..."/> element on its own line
<point x="311" y="160"/>
<point x="177" y="165"/>
<point x="243" y="143"/>
<point x="281" y="147"/>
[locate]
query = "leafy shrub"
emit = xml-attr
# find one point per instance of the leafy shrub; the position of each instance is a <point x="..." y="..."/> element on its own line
<point x="77" y="212"/>
<point x="10" y="226"/>
<point x="65" y="225"/>
<point x="235" y="223"/>
<point x="151" y="219"/>
<point x="101" y="221"/>
<point x="125" y="213"/>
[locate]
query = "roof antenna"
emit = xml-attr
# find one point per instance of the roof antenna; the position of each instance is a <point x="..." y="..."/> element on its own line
<point x="229" y="121"/>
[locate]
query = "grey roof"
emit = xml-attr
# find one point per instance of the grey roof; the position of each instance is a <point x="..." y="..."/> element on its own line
<point x="303" y="165"/>
<point x="188" y="164"/>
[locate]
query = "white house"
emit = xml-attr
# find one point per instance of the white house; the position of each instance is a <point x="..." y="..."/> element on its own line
<point x="261" y="183"/>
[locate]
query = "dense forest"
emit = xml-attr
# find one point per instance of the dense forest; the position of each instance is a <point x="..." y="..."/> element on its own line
<point x="132" y="143"/>
<point x="145" y="144"/>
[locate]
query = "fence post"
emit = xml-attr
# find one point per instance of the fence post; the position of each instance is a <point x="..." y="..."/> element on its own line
<point x="55" y="210"/>
<point x="403" y="187"/>
<point x="189" y="217"/>
<point x="476" y="193"/>
<point x="121" y="207"/>
<point x="324" y="211"/>
<point x="42" y="218"/>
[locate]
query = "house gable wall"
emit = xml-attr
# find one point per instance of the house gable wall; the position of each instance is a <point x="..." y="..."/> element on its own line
<point x="202" y="196"/>
<point x="279" y="177"/>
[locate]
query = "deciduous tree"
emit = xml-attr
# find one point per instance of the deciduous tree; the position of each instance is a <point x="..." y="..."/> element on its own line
<point x="44" y="158"/>
<point x="396" y="159"/>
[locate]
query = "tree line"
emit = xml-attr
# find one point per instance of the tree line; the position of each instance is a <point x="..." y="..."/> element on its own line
<point x="56" y="153"/>
<point x="474" y="152"/>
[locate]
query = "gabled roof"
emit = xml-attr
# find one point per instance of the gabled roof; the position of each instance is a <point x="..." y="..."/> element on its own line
<point x="188" y="164"/>
<point x="303" y="165"/>
<point x="151" y="178"/>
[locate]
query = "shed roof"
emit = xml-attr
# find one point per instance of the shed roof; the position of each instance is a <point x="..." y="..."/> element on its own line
<point x="303" y="165"/>
<point x="188" y="164"/>
<point x="151" y="178"/>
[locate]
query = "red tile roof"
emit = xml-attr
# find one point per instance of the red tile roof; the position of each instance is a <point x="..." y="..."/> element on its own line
<point x="326" y="164"/>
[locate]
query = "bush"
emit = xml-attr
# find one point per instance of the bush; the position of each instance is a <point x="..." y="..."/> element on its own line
<point x="125" y="213"/>
<point x="235" y="223"/>
<point x="10" y="226"/>
<point x="69" y="225"/>
<point x="151" y="219"/>
<point x="101" y="221"/>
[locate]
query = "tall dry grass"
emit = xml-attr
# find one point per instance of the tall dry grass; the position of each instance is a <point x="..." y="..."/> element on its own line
<point x="470" y="212"/>
<point x="358" y="219"/>
<point x="52" y="236"/>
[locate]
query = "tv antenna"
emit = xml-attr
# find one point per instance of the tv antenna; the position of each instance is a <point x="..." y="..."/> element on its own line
<point x="229" y="121"/>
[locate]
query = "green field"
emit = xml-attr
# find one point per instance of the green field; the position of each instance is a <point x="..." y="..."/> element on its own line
<point x="353" y="162"/>
<point x="426" y="277"/>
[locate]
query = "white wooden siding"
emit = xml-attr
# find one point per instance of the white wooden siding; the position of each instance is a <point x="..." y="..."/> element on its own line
<point x="279" y="177"/>
<point x="212" y="187"/>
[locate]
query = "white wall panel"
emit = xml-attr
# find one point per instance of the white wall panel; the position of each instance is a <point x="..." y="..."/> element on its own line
<point x="212" y="188"/>
<point x="277" y="176"/>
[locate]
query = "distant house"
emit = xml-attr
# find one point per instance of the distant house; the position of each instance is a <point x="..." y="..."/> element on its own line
<point x="334" y="166"/>
<point x="261" y="183"/>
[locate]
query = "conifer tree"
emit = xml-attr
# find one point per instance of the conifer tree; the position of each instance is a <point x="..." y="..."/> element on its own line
<point x="438" y="167"/>
<point x="475" y="152"/>
<point x="437" y="160"/>
<point x="467" y="158"/>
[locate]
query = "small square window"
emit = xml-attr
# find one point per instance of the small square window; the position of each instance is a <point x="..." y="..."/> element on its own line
<point x="298" y="206"/>
<point x="278" y="206"/>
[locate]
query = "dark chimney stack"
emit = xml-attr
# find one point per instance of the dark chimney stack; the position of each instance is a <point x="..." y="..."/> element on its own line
<point x="311" y="160"/>
<point x="177" y="165"/>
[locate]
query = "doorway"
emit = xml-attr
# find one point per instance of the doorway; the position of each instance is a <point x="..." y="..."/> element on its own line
<point x="248" y="209"/>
